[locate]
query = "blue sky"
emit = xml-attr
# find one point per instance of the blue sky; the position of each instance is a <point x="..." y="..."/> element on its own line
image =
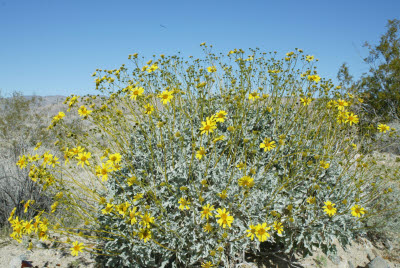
<point x="51" y="47"/>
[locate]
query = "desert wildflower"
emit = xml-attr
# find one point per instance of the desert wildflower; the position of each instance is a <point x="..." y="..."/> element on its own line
<point x="152" y="68"/>
<point x="22" y="162"/>
<point x="207" y="264"/>
<point x="267" y="144"/>
<point x="131" y="180"/>
<point x="219" y="138"/>
<point x="148" y="109"/>
<point x="354" y="146"/>
<point x="108" y="209"/>
<point x="84" y="112"/>
<point x="324" y="164"/>
<point x="208" y="227"/>
<point x="76" y="248"/>
<point x="305" y="101"/>
<point x="59" y="116"/>
<point x="251" y="231"/>
<point x="341" y="104"/>
<point x="357" y="211"/>
<point x="211" y="69"/>
<point x="329" y="208"/>
<point x="342" y="117"/>
<point x="261" y="232"/>
<point x="114" y="159"/>
<point x="37" y="146"/>
<point x="311" y="200"/>
<point x="133" y="214"/>
<point x="145" y="234"/>
<point x="241" y="165"/>
<point x="223" y="194"/>
<point x="28" y="226"/>
<point x="103" y="170"/>
<point x="208" y="126"/>
<point x="225" y="219"/>
<point x="254" y="96"/>
<point x="137" y="197"/>
<point x="309" y="58"/>
<point x="207" y="211"/>
<point x="136" y="92"/>
<point x="352" y="119"/>
<point x="278" y="227"/>
<point x="83" y="158"/>
<point x="123" y="208"/>
<point x="315" y="78"/>
<point x="201" y="153"/>
<point x="184" y="203"/>
<point x="147" y="219"/>
<point x="383" y="128"/>
<point x="246" y="181"/>
<point x="54" y="206"/>
<point x="220" y="116"/>
<point x="166" y="96"/>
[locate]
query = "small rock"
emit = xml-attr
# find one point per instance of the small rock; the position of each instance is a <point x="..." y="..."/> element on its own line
<point x="17" y="262"/>
<point x="378" y="262"/>
<point x="388" y="244"/>
<point x="370" y="256"/>
<point x="350" y="264"/>
<point x="336" y="259"/>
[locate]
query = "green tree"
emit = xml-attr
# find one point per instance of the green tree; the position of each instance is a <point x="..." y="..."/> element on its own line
<point x="382" y="84"/>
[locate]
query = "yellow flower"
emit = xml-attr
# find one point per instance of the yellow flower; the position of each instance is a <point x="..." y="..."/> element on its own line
<point x="207" y="228"/>
<point x="341" y="104"/>
<point x="145" y="234"/>
<point x="220" y="138"/>
<point x="59" y="116"/>
<point x="54" y="206"/>
<point x="220" y="116"/>
<point x="207" y="211"/>
<point x="114" y="158"/>
<point x="123" y="208"/>
<point x="246" y="181"/>
<point x="108" y="209"/>
<point x="82" y="111"/>
<point x="267" y="144"/>
<point x="352" y="119"/>
<point x="148" y="108"/>
<point x="253" y="96"/>
<point x="309" y="58"/>
<point x="131" y="180"/>
<point x="354" y="146"/>
<point x="315" y="78"/>
<point x="342" y="117"/>
<point x="311" y="200"/>
<point x="83" y="158"/>
<point x="225" y="219"/>
<point x="329" y="208"/>
<point x="147" y="219"/>
<point x="383" y="128"/>
<point x="137" y="197"/>
<point x="133" y="214"/>
<point x="184" y="204"/>
<point x="207" y="264"/>
<point x="37" y="146"/>
<point x="208" y="126"/>
<point x="305" y="101"/>
<point x="152" y="68"/>
<point x="261" y="232"/>
<point x="103" y="170"/>
<point x="211" y="69"/>
<point x="357" y="211"/>
<point x="241" y="165"/>
<point x="278" y="227"/>
<point x="76" y="248"/>
<point x="201" y="153"/>
<point x="166" y="96"/>
<point x="22" y="162"/>
<point x="135" y="92"/>
<point x="251" y="231"/>
<point x="331" y="104"/>
<point x="324" y="164"/>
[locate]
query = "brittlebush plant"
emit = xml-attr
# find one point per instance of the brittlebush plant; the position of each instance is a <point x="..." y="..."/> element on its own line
<point x="197" y="162"/>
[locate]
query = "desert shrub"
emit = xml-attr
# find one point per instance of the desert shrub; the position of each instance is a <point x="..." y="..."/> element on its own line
<point x="20" y="130"/>
<point x="196" y="162"/>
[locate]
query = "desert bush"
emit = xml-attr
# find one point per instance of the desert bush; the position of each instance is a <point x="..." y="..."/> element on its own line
<point x="195" y="162"/>
<point x="20" y="130"/>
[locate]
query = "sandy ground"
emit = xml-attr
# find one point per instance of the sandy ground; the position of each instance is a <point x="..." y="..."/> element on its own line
<point x="359" y="253"/>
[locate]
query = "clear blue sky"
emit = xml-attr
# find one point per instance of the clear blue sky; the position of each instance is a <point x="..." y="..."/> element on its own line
<point x="51" y="47"/>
